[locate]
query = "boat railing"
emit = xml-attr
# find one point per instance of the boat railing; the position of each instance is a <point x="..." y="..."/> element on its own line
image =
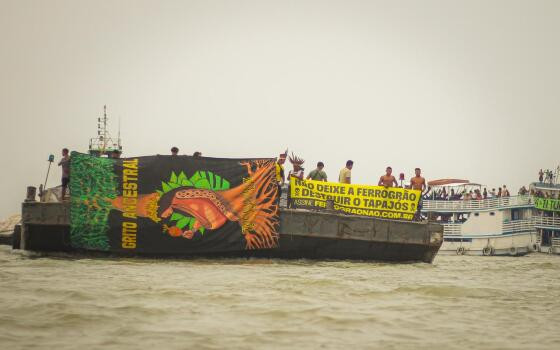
<point x="546" y="222"/>
<point x="518" y="226"/>
<point x="452" y="229"/>
<point x="555" y="242"/>
<point x="429" y="205"/>
<point x="545" y="186"/>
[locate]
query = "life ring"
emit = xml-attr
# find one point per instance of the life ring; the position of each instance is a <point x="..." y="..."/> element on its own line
<point x="460" y="251"/>
<point x="513" y="251"/>
<point x="487" y="251"/>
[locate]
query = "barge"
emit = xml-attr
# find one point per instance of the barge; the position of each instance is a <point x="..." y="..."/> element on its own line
<point x="303" y="234"/>
<point x="193" y="206"/>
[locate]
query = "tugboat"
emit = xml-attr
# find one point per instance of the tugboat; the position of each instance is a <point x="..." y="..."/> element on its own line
<point x="494" y="226"/>
<point x="183" y="206"/>
<point x="547" y="212"/>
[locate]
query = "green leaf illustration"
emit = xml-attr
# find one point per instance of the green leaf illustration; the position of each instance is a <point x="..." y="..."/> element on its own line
<point x="182" y="177"/>
<point x="94" y="180"/>
<point x="176" y="216"/>
<point x="225" y="184"/>
<point x="209" y="181"/>
<point x="203" y="183"/>
<point x="196" y="177"/>
<point x="184" y="222"/>
<point x="165" y="187"/>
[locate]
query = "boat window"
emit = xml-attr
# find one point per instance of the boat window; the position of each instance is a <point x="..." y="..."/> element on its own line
<point x="492" y="213"/>
<point x="476" y="214"/>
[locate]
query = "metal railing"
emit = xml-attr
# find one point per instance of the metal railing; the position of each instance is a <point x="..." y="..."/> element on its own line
<point x="546" y="222"/>
<point x="546" y="186"/>
<point x="518" y="226"/>
<point x="429" y="205"/>
<point x="452" y="229"/>
<point x="555" y="242"/>
<point x="507" y="227"/>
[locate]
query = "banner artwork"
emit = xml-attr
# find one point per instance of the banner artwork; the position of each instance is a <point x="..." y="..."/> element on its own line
<point x="547" y="204"/>
<point x="173" y="204"/>
<point x="378" y="201"/>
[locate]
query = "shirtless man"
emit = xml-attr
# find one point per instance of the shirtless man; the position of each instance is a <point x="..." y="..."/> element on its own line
<point x="388" y="180"/>
<point x="418" y="182"/>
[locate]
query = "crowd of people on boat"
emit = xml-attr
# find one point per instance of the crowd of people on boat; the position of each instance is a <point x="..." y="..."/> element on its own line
<point x="546" y="194"/>
<point x="546" y="176"/>
<point x="452" y="195"/>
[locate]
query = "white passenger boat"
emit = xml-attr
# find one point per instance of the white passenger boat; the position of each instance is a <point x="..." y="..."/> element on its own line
<point x="547" y="214"/>
<point x="494" y="226"/>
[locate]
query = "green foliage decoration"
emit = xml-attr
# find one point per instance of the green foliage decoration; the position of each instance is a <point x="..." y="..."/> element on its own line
<point x="93" y="184"/>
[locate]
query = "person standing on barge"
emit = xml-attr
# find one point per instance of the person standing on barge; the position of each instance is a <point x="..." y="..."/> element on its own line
<point x="318" y="174"/>
<point x="388" y="180"/>
<point x="280" y="177"/>
<point x="65" y="164"/>
<point x="418" y="182"/>
<point x="297" y="173"/>
<point x="345" y="175"/>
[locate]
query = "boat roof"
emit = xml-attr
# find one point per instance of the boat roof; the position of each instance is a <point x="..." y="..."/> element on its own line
<point x="453" y="183"/>
<point x="544" y="186"/>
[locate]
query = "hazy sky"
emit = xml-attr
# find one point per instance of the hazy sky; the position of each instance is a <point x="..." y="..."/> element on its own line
<point x="467" y="89"/>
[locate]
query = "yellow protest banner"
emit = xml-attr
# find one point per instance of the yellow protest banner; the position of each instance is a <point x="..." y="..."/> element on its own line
<point x="378" y="201"/>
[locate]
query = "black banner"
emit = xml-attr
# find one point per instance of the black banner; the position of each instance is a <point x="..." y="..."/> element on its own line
<point x="173" y="204"/>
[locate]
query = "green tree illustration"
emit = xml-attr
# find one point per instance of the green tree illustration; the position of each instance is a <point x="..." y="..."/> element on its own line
<point x="93" y="185"/>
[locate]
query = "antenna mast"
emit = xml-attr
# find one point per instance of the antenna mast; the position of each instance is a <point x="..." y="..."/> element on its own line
<point x="104" y="128"/>
<point x="103" y="144"/>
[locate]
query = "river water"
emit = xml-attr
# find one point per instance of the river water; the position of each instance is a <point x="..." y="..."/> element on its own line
<point x="68" y="302"/>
